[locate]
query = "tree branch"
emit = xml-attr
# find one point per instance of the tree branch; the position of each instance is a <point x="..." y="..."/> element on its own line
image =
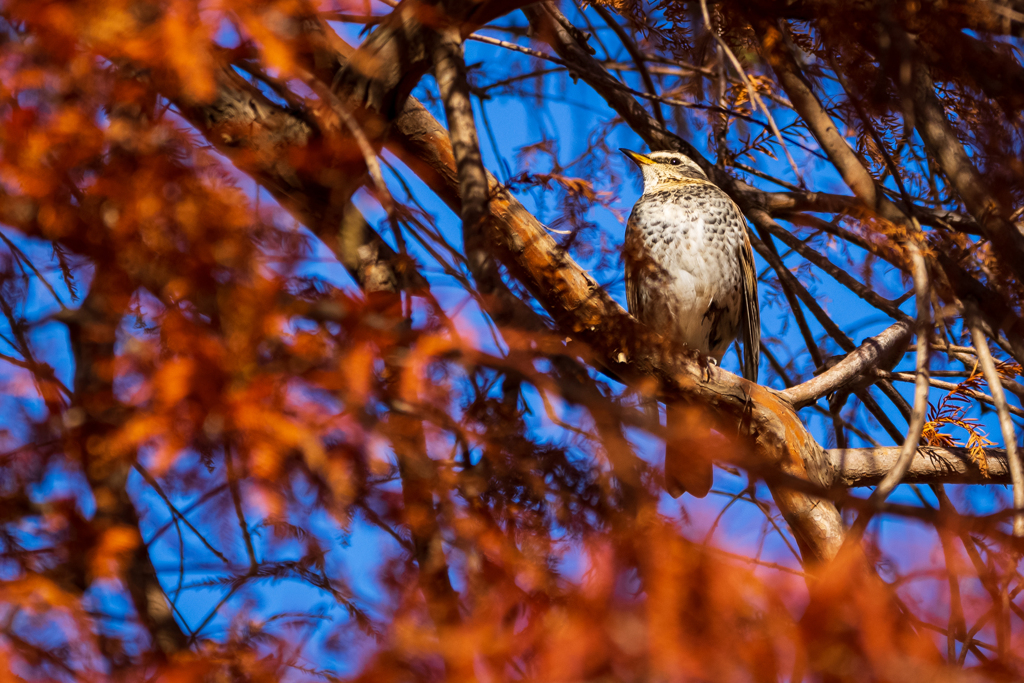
<point x="943" y="145"/>
<point x="988" y="368"/>
<point x="930" y="465"/>
<point x="93" y="331"/>
<point x="922" y="290"/>
<point x="883" y="350"/>
<point x="258" y="136"/>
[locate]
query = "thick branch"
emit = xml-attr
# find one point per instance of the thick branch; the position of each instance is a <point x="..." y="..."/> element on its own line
<point x="868" y="466"/>
<point x="450" y="73"/>
<point x="260" y="137"/>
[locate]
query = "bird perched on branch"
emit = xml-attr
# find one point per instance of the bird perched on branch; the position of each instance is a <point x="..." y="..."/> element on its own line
<point x="690" y="277"/>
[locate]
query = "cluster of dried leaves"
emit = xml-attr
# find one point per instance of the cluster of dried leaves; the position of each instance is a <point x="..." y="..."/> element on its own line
<point x="249" y="436"/>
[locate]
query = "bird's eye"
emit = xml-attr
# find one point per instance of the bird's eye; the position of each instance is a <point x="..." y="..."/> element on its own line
<point x="674" y="162"/>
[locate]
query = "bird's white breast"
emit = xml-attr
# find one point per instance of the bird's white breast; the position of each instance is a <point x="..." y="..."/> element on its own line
<point x="682" y="254"/>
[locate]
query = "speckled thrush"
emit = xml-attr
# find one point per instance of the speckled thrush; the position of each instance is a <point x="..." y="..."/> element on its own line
<point x="690" y="277"/>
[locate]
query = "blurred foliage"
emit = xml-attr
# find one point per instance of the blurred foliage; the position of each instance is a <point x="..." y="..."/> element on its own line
<point x="243" y="442"/>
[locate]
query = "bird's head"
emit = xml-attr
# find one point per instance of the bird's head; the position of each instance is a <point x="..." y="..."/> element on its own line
<point x="665" y="168"/>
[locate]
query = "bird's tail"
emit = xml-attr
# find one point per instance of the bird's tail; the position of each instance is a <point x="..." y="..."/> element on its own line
<point x="687" y="462"/>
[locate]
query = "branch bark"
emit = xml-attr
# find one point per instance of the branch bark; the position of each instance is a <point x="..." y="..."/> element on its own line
<point x="868" y="466"/>
<point x="263" y="140"/>
<point x="883" y="350"/>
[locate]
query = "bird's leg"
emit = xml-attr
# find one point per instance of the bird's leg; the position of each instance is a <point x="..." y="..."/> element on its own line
<point x="707" y="368"/>
<point x="714" y="314"/>
<point x="705" y="363"/>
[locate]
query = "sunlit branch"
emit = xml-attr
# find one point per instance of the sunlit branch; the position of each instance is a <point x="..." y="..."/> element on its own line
<point x="515" y="48"/>
<point x="885" y="350"/>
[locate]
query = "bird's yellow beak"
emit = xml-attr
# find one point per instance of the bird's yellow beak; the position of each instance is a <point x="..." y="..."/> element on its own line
<point x="636" y="157"/>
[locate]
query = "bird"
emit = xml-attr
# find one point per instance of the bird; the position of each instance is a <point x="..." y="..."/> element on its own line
<point x="690" y="277"/>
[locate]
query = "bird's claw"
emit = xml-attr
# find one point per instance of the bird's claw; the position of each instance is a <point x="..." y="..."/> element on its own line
<point x="706" y="362"/>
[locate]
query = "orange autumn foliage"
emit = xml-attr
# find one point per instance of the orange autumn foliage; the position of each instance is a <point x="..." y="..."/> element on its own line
<point x="273" y="412"/>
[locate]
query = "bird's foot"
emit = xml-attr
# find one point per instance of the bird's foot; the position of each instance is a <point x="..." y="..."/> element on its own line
<point x="706" y="363"/>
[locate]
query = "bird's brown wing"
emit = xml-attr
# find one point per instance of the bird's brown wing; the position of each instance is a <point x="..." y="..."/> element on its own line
<point x="750" y="314"/>
<point x="632" y="257"/>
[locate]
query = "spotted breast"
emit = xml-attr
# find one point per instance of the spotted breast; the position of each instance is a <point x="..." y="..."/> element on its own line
<point x="690" y="276"/>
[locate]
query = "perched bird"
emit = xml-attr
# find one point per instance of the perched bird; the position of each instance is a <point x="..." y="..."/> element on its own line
<point x="690" y="277"/>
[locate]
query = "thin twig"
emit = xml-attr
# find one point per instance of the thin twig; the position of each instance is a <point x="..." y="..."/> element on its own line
<point x="23" y="257"/>
<point x="988" y="368"/>
<point x="765" y="176"/>
<point x="949" y="386"/>
<point x="838" y="274"/>
<point x="754" y="97"/>
<point x="916" y="426"/>
<point x="754" y="561"/>
<point x="236" y="498"/>
<point x="202" y="499"/>
<point x="175" y="513"/>
<point x="789" y="289"/>
<point x="515" y="48"/>
<point x="637" y="57"/>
